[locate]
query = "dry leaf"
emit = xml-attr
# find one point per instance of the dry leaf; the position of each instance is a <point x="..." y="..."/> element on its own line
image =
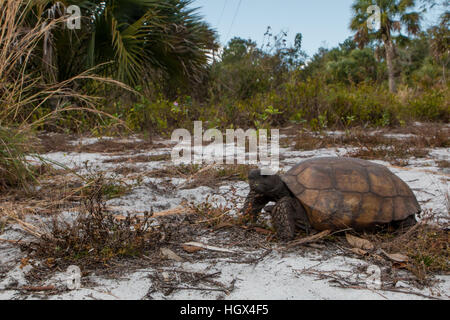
<point x="169" y="254"/>
<point x="309" y="239"/>
<point x="359" y="242"/>
<point x="191" y="249"/>
<point x="400" y="265"/>
<point x="166" y="276"/>
<point x="358" y="251"/>
<point x="24" y="262"/>
<point x="396" y="257"/>
<point x="378" y="258"/>
<point x="262" y="231"/>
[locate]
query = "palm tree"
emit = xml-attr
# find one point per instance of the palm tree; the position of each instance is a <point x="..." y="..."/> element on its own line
<point x="440" y="43"/>
<point x="395" y="15"/>
<point x="139" y="37"/>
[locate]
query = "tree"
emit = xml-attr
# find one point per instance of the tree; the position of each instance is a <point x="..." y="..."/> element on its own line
<point x="139" y="37"/>
<point x="440" y="43"/>
<point x="354" y="67"/>
<point x="395" y="16"/>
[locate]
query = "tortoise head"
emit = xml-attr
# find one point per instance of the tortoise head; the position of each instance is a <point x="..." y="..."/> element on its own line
<point x="271" y="186"/>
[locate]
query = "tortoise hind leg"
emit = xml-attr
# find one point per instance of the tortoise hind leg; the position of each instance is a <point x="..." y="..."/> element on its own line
<point x="287" y="215"/>
<point x="406" y="223"/>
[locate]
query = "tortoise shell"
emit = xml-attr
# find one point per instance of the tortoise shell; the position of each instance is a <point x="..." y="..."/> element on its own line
<point x="339" y="193"/>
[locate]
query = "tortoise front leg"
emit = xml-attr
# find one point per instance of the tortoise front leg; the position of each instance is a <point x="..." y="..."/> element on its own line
<point x="253" y="205"/>
<point x="287" y="216"/>
<point x="283" y="219"/>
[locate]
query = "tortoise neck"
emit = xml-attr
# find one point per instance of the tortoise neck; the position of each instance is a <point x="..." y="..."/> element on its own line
<point x="280" y="191"/>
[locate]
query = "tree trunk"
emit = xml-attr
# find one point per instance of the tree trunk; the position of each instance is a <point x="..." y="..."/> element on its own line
<point x="390" y="56"/>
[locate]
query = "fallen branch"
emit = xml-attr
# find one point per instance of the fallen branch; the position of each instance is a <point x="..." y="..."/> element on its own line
<point x="392" y="290"/>
<point x="194" y="288"/>
<point x="175" y="211"/>
<point x="12" y="241"/>
<point x="188" y="180"/>
<point x="43" y="288"/>
<point x="207" y="247"/>
<point x="310" y="239"/>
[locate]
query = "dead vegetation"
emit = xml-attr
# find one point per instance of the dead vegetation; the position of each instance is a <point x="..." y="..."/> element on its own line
<point x="94" y="235"/>
<point x="97" y="237"/>
<point x="397" y="154"/>
<point x="423" y="249"/>
<point x="113" y="146"/>
<point x="139" y="159"/>
<point x="59" y="142"/>
<point x="196" y="175"/>
<point x="427" y="249"/>
<point x="443" y="164"/>
<point x="379" y="145"/>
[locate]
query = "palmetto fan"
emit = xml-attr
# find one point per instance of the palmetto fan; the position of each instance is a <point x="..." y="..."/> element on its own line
<point x="138" y="37"/>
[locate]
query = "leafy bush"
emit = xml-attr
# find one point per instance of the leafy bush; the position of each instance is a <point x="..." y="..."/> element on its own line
<point x="430" y="105"/>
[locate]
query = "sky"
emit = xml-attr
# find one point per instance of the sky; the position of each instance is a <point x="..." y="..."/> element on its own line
<point x="323" y="23"/>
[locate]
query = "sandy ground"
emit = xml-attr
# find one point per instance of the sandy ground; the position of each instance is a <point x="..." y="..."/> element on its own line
<point x="277" y="275"/>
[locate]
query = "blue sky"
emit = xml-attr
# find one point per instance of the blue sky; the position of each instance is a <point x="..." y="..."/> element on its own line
<point x="322" y="22"/>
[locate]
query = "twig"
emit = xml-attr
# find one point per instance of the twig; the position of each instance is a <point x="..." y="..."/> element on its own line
<point x="12" y="241"/>
<point x="27" y="227"/>
<point x="254" y="260"/>
<point x="188" y="180"/>
<point x="310" y="239"/>
<point x="175" y="211"/>
<point x="412" y="292"/>
<point x="194" y="288"/>
<point x="204" y="277"/>
<point x="43" y="288"/>
<point x="392" y="290"/>
<point x="340" y="231"/>
<point x="208" y="247"/>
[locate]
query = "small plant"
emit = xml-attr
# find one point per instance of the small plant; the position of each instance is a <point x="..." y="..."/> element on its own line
<point x="323" y="121"/>
<point x="95" y="236"/>
<point x="15" y="170"/>
<point x="266" y="117"/>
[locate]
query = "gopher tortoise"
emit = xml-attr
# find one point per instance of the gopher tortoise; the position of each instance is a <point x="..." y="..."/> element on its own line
<point x="332" y="194"/>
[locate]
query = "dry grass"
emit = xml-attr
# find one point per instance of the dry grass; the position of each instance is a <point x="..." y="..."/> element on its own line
<point x="110" y="146"/>
<point x="95" y="236"/>
<point x="443" y="164"/>
<point x="396" y="154"/>
<point x="139" y="159"/>
<point x="426" y="246"/>
<point x="196" y="175"/>
<point x="24" y="92"/>
<point x="376" y="145"/>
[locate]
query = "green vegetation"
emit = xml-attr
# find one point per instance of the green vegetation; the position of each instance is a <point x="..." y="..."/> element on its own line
<point x="51" y="75"/>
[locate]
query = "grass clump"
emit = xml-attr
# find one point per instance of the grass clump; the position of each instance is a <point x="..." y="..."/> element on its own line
<point x="95" y="236"/>
<point x="428" y="249"/>
<point x="15" y="170"/>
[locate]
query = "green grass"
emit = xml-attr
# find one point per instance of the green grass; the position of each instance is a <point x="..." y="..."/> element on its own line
<point x="15" y="170"/>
